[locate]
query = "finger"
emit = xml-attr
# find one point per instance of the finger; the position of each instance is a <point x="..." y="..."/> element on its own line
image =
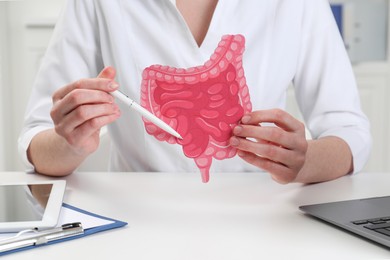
<point x="108" y="73"/>
<point x="102" y="84"/>
<point x="78" y="98"/>
<point x="266" y="135"/>
<point x="277" y="116"/>
<point x="269" y="151"/>
<point x="89" y="128"/>
<point x="84" y="132"/>
<point x="279" y="172"/>
<point x="83" y="114"/>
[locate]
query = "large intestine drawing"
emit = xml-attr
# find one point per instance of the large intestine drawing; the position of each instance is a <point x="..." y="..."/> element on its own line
<point x="202" y="103"/>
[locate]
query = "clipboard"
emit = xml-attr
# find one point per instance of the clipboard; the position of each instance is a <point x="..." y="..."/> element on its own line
<point x="102" y="224"/>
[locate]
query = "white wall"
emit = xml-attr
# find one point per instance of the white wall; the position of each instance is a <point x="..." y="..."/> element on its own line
<point x="365" y="29"/>
<point x="3" y="63"/>
<point x="29" y="25"/>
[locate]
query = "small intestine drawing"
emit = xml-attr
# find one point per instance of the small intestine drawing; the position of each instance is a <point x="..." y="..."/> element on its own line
<point x="201" y="103"/>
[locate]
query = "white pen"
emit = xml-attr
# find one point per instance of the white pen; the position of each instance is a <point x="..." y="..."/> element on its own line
<point x="40" y="237"/>
<point x="154" y="119"/>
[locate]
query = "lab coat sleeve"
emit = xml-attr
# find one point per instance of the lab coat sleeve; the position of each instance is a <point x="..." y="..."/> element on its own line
<point x="325" y="86"/>
<point x="73" y="53"/>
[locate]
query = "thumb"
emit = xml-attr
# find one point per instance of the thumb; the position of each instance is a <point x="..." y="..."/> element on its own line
<point x="107" y="73"/>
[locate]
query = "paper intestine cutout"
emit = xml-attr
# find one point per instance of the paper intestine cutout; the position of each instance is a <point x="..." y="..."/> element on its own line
<point x="202" y="103"/>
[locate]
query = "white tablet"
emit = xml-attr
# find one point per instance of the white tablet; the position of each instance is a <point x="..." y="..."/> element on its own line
<point x="30" y="205"/>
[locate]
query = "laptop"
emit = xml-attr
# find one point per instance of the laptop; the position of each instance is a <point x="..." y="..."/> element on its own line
<point x="368" y="217"/>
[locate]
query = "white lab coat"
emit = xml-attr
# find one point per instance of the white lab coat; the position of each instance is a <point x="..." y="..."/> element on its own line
<point x="286" y="42"/>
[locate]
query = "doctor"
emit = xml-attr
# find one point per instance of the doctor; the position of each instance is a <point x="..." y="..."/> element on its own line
<point x="100" y="46"/>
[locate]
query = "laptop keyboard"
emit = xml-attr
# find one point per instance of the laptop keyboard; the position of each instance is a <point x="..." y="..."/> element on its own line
<point x="380" y="225"/>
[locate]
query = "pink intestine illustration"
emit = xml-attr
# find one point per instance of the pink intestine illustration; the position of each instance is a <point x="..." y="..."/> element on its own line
<point x="201" y="103"/>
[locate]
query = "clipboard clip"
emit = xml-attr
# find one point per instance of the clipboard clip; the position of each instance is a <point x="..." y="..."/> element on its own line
<point x="41" y="237"/>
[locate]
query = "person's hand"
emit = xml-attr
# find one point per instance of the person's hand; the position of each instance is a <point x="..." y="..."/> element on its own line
<point x="82" y="108"/>
<point x="278" y="148"/>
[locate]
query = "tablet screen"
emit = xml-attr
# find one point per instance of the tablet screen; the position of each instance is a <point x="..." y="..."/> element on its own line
<point x="24" y="202"/>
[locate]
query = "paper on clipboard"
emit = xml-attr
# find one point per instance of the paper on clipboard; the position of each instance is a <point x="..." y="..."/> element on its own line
<point x="69" y="216"/>
<point x="91" y="223"/>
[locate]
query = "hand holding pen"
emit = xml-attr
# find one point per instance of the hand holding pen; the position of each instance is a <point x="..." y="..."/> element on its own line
<point x="80" y="109"/>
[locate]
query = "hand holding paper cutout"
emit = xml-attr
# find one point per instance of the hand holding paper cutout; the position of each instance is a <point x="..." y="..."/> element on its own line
<point x="202" y="103"/>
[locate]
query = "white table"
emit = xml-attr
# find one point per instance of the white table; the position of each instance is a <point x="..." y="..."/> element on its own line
<point x="234" y="216"/>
